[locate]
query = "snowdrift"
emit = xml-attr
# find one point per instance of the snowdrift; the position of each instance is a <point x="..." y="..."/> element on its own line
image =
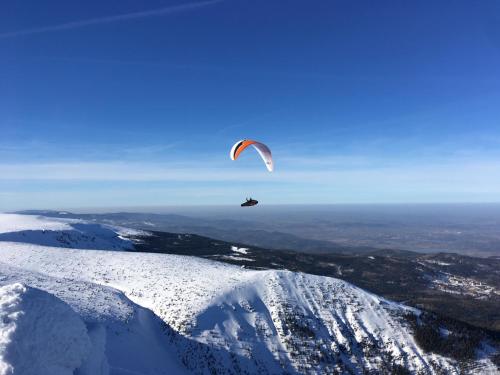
<point x="39" y="334"/>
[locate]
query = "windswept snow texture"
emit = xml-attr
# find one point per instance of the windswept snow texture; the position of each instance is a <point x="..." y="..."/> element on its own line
<point x="39" y="334"/>
<point x="167" y="314"/>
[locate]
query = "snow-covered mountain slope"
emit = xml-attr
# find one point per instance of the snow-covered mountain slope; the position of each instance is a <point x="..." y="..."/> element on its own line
<point x="168" y="314"/>
<point x="57" y="337"/>
<point x="70" y="233"/>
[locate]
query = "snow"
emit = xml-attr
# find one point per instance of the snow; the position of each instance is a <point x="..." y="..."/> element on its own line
<point x="241" y="250"/>
<point x="37" y="326"/>
<point x="167" y="314"/>
<point x="132" y="336"/>
<point x="16" y="223"/>
<point x="438" y="262"/>
<point x="72" y="233"/>
<point x="232" y="257"/>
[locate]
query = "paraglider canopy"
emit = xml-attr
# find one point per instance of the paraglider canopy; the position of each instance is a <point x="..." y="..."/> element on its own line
<point x="262" y="149"/>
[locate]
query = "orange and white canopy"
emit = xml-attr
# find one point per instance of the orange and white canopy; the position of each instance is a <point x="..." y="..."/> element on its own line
<point x="262" y="149"/>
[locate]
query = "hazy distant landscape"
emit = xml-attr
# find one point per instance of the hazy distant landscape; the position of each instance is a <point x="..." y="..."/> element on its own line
<point x="472" y="229"/>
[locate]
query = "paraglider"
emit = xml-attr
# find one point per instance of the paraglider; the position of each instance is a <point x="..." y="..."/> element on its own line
<point x="262" y="149"/>
<point x="249" y="202"/>
<point x="265" y="154"/>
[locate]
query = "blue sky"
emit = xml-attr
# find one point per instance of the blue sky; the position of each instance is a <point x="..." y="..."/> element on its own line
<point x="127" y="103"/>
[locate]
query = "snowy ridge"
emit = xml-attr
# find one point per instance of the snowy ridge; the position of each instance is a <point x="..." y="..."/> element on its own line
<point x="70" y="233"/>
<point x="311" y="324"/>
<point x="167" y="314"/>
<point x="37" y="326"/>
<point x="123" y="335"/>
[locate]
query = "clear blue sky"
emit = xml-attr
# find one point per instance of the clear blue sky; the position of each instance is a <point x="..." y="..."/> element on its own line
<point x="123" y="102"/>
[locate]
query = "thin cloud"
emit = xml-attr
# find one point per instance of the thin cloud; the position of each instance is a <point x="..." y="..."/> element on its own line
<point x="40" y="185"/>
<point x="110" y="19"/>
<point x="471" y="176"/>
